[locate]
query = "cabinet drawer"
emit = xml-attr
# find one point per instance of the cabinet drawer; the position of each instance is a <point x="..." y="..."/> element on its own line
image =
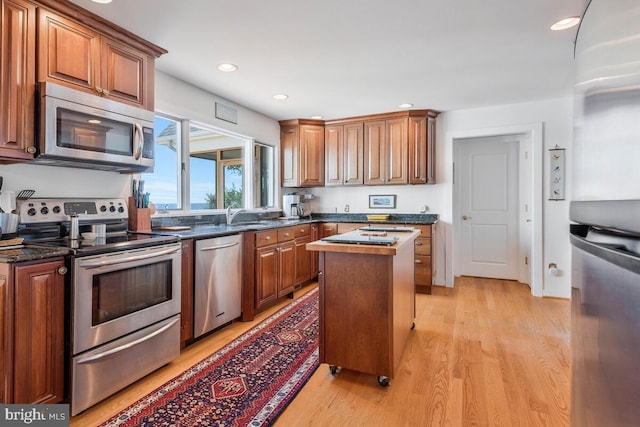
<point x="302" y="230"/>
<point x="423" y="270"/>
<point x="264" y="238"/>
<point x="423" y="246"/>
<point x="329" y="229"/>
<point x="344" y="227"/>
<point x="285" y="234"/>
<point x="425" y="230"/>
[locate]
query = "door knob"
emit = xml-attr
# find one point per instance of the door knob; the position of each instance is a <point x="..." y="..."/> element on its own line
<point x="466" y="218"/>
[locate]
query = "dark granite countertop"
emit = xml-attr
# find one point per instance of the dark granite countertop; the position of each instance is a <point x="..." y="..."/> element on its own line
<point x="23" y="253"/>
<point x="393" y="218"/>
<point x="248" y="223"/>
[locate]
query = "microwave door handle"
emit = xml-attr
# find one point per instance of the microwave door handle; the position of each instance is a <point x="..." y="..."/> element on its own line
<point x="129" y="259"/>
<point x="137" y="140"/>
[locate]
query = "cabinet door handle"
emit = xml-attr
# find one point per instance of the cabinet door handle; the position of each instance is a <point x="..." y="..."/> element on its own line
<point x="62" y="271"/>
<point x="418" y="261"/>
<point x="418" y="243"/>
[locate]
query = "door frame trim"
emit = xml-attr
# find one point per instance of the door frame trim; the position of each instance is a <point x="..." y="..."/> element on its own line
<point x="534" y="137"/>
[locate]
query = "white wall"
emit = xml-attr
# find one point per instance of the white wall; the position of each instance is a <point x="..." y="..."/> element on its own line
<point x="172" y="96"/>
<point x="183" y="100"/>
<point x="556" y="116"/>
<point x="180" y="99"/>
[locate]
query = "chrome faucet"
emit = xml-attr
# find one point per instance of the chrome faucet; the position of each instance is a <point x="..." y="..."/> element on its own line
<point x="230" y="215"/>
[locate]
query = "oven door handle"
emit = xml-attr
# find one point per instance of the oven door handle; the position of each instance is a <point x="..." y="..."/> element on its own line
<point x="107" y="353"/>
<point x="213" y="248"/>
<point x="130" y="259"/>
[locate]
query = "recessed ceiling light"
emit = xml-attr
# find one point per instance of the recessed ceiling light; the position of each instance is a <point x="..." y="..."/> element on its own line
<point x="405" y="105"/>
<point x="101" y="1"/>
<point x="280" y="96"/>
<point x="316" y="117"/>
<point x="227" y="68"/>
<point x="565" y="23"/>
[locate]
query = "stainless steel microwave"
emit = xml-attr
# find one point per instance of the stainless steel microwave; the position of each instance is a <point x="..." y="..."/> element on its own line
<point x="78" y="129"/>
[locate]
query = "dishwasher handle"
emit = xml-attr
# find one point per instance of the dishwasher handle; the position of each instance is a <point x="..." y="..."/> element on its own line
<point x="216" y="247"/>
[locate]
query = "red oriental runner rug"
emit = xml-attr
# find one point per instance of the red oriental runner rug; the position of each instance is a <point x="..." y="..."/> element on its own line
<point x="248" y="382"/>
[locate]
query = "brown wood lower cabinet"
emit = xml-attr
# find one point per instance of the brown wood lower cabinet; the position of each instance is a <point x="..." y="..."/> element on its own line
<point x="328" y="229"/>
<point x="33" y="309"/>
<point x="367" y="305"/>
<point x="425" y="267"/>
<point x="275" y="263"/>
<point x="187" y="286"/>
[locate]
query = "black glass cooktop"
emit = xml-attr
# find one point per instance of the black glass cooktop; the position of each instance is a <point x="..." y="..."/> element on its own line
<point x="111" y="243"/>
<point x="361" y="240"/>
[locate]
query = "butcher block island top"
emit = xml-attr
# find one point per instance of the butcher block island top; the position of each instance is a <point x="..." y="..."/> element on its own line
<point x="367" y="303"/>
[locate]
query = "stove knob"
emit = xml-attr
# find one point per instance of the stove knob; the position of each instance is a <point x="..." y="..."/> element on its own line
<point x="31" y="212"/>
<point x="112" y="208"/>
<point x="103" y="208"/>
<point x="44" y="210"/>
<point x="56" y="209"/>
<point x="120" y="209"/>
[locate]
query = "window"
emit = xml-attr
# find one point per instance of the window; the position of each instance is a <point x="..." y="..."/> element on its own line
<point x="212" y="173"/>
<point x="216" y="169"/>
<point x="164" y="182"/>
<point x="263" y="176"/>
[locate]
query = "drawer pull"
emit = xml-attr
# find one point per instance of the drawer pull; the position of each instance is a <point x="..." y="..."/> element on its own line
<point x="418" y="261"/>
<point x="267" y="238"/>
<point x="286" y="234"/>
<point x="418" y="243"/>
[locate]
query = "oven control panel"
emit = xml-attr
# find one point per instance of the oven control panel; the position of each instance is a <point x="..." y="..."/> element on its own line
<point x="57" y="210"/>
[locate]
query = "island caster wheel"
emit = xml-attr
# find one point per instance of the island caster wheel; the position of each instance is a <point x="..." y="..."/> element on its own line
<point x="383" y="381"/>
<point x="334" y="369"/>
<point x="413" y="325"/>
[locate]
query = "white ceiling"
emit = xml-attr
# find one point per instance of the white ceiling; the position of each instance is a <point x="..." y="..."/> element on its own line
<point x="340" y="58"/>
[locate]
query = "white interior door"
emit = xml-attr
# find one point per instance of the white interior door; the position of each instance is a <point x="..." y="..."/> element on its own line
<point x="488" y="179"/>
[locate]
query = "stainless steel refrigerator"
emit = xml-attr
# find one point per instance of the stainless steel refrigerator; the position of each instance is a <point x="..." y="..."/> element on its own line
<point x="605" y="211"/>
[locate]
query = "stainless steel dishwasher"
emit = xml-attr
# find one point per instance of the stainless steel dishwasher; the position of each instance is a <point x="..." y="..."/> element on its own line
<point x="218" y="272"/>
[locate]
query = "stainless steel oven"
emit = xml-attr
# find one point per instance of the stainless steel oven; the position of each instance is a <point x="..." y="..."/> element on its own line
<point x="126" y="319"/>
<point x="124" y="299"/>
<point x="115" y="294"/>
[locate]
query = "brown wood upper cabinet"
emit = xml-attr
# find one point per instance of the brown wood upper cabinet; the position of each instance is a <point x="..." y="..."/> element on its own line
<point x="377" y="149"/>
<point x="302" y="153"/>
<point x="17" y="79"/>
<point x="344" y="147"/>
<point x="73" y="47"/>
<point x="422" y="140"/>
<point x="75" y="55"/>
<point x="385" y="152"/>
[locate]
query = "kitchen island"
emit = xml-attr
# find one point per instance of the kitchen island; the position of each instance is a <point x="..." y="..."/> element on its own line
<point x="367" y="302"/>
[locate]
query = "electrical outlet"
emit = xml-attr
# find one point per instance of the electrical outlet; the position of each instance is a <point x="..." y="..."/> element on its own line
<point x="346" y="207"/>
<point x="424" y="208"/>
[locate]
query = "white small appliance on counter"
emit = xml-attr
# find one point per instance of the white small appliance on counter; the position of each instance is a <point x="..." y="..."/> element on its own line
<point x="291" y="206"/>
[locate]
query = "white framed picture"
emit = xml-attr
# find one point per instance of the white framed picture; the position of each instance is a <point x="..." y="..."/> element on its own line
<point x="382" y="201"/>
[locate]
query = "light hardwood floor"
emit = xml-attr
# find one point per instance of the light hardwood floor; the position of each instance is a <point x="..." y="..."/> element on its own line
<point x="485" y="353"/>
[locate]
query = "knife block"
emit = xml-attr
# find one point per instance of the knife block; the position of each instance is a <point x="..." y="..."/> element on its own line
<point x="139" y="218"/>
